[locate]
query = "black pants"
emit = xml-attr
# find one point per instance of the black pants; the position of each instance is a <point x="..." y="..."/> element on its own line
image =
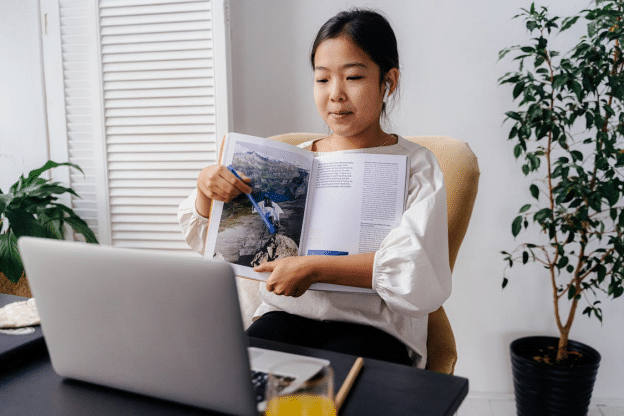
<point x="349" y="338"/>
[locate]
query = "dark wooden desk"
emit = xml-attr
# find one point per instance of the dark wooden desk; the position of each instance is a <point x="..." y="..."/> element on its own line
<point x="31" y="387"/>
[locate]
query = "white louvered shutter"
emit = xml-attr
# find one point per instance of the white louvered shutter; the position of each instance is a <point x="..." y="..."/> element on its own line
<point x="141" y="111"/>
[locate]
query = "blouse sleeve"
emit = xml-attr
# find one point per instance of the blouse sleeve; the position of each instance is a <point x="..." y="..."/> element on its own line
<point x="194" y="227"/>
<point x="411" y="272"/>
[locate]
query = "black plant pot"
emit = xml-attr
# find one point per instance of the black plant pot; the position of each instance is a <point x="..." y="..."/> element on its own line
<point x="543" y="389"/>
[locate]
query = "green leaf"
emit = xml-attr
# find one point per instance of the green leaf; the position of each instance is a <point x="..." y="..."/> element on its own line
<point x="4" y="201"/>
<point x="517" y="151"/>
<point x="577" y="89"/>
<point x="576" y="155"/>
<point x="598" y="313"/>
<point x="591" y="29"/>
<point x="81" y="227"/>
<point x="568" y="22"/>
<point x="518" y="90"/>
<point x="609" y="110"/>
<point x="533" y="160"/>
<point x="52" y="225"/>
<point x="34" y="174"/>
<point x="525" y="257"/>
<point x="505" y="281"/>
<point x="10" y="261"/>
<point x="503" y="52"/>
<point x="589" y="117"/>
<point x="542" y="215"/>
<point x="513" y="115"/>
<point x="525" y="208"/>
<point x="17" y="184"/>
<point x="570" y="238"/>
<point x="559" y="81"/>
<point x="534" y="191"/>
<point x="602" y="163"/>
<point x="611" y="193"/>
<point x="45" y="190"/>
<point x="552" y="231"/>
<point x="539" y="61"/>
<point x="571" y="292"/>
<point x="594" y="202"/>
<point x="516" y="225"/>
<point x="602" y="273"/>
<point x="25" y="223"/>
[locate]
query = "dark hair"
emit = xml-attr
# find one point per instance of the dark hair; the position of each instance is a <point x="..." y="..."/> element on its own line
<point x="370" y="31"/>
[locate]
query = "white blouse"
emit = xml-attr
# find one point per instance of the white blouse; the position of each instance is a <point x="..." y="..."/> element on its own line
<point x="411" y="272"/>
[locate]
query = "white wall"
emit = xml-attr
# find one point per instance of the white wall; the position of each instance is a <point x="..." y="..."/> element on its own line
<point x="448" y="51"/>
<point x="449" y="87"/>
<point x="23" y="134"/>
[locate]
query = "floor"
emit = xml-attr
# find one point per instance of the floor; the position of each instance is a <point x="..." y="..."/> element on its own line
<point x="504" y="405"/>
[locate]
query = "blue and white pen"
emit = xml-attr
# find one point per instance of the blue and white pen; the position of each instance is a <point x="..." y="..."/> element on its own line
<point x="255" y="204"/>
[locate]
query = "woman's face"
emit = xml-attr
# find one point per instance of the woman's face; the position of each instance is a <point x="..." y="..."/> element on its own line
<point x="347" y="91"/>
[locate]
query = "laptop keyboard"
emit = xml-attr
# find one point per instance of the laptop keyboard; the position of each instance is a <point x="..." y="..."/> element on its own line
<point x="259" y="382"/>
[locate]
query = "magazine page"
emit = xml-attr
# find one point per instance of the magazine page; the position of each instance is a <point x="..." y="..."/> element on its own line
<point x="266" y="224"/>
<point x="269" y="223"/>
<point x="354" y="202"/>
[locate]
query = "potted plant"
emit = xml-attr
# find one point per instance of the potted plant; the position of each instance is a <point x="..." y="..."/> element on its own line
<point x="568" y="131"/>
<point x="31" y="208"/>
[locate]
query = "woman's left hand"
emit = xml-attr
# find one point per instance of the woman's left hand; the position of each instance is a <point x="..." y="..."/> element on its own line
<point x="290" y="276"/>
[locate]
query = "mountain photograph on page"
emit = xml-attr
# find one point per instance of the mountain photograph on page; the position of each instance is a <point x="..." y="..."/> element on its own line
<point x="268" y="228"/>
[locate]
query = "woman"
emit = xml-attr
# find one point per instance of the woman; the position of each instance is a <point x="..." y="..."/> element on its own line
<point x="356" y="68"/>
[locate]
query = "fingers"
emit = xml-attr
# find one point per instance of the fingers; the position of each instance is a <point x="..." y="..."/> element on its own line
<point x="285" y="279"/>
<point x="237" y="183"/>
<point x="282" y="289"/>
<point x="272" y="283"/>
<point x="217" y="182"/>
<point x="264" y="267"/>
<point x="267" y="267"/>
<point x="294" y="292"/>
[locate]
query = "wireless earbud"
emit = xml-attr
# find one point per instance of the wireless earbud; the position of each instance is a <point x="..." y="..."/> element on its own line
<point x="387" y="92"/>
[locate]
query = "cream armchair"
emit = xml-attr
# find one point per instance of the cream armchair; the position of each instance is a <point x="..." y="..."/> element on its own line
<point x="461" y="175"/>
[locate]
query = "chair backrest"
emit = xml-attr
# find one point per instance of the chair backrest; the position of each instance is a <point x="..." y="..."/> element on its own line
<point x="461" y="176"/>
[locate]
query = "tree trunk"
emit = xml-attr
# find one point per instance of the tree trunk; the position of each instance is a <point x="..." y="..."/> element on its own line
<point x="21" y="288"/>
<point x="562" y="349"/>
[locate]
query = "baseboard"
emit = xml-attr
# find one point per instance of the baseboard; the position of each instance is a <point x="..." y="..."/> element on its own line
<point x="607" y="401"/>
<point x="596" y="401"/>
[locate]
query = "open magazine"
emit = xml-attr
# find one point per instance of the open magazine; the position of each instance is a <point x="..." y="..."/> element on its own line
<point x="334" y="204"/>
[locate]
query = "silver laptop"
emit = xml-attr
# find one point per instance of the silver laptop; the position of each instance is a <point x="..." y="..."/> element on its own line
<point x="161" y="325"/>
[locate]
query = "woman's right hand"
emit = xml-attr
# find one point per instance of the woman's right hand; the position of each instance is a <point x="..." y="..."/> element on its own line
<point x="217" y="182"/>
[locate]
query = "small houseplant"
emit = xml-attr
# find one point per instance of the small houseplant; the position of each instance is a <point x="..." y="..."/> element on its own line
<point x="569" y="132"/>
<point x="31" y="208"/>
